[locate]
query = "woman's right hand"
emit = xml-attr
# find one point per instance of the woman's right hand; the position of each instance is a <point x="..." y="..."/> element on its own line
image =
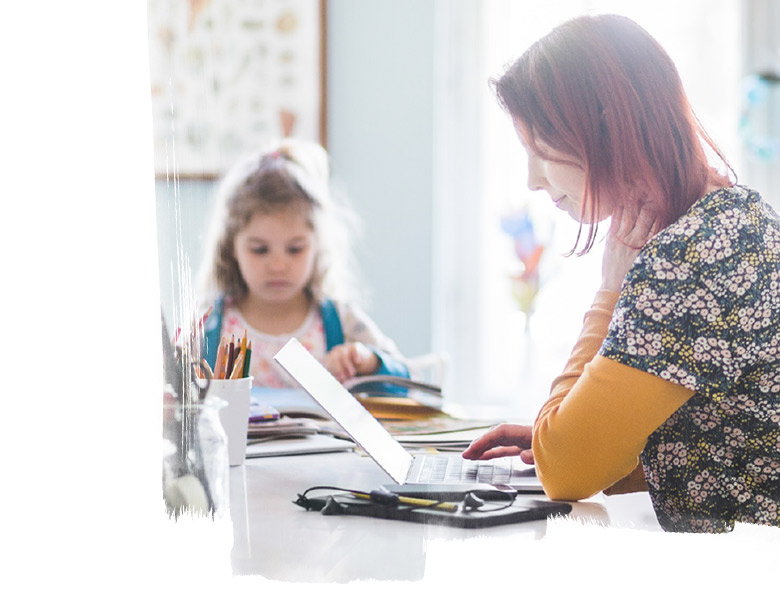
<point x="628" y="233"/>
<point x="503" y="440"/>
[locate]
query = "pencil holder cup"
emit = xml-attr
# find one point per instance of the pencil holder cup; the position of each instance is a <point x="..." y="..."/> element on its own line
<point x="236" y="393"/>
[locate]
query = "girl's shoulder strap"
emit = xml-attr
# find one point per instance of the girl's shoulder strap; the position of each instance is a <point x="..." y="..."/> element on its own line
<point x="331" y="323"/>
<point x="213" y="331"/>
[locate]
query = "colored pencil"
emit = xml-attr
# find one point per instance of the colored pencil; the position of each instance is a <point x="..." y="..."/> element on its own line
<point x="218" y="362"/>
<point x="206" y="368"/>
<point x="231" y="357"/>
<point x="225" y="357"/>
<point x="247" y="359"/>
<point x="238" y="368"/>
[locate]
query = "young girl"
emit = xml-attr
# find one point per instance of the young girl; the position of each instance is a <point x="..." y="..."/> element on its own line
<point x="276" y="265"/>
<point x="674" y="383"/>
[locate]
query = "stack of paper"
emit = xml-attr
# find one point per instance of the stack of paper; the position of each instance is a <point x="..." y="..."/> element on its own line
<point x="313" y="444"/>
<point x="282" y="427"/>
<point x="455" y="439"/>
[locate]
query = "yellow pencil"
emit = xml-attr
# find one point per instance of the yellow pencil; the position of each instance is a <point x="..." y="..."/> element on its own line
<point x="415" y="502"/>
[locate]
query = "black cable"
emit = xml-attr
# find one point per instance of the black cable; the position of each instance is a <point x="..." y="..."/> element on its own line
<point x="475" y="503"/>
<point x="305" y="502"/>
<point x="471" y="500"/>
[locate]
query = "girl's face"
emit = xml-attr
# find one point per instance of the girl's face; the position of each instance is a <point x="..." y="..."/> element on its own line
<point x="562" y="176"/>
<point x="275" y="254"/>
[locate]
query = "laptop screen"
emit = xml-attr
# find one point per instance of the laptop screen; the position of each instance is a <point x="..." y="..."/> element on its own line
<point x="343" y="408"/>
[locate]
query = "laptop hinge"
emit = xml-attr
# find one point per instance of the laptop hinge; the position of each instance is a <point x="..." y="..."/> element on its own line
<point x="414" y="471"/>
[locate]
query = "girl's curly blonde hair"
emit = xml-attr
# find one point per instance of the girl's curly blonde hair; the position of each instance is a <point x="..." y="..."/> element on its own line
<point x="288" y="175"/>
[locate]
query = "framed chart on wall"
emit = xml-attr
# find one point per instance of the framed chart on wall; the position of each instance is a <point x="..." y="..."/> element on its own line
<point x="229" y="75"/>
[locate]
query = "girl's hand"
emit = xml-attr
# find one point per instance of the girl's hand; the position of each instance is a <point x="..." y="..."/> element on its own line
<point x="628" y="232"/>
<point x="348" y="360"/>
<point x="503" y="440"/>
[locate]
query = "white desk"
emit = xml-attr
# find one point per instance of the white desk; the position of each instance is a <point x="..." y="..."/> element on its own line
<point x="281" y="541"/>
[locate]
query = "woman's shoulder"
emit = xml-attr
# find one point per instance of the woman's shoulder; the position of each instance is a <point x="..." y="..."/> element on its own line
<point x="728" y="233"/>
<point x="715" y="222"/>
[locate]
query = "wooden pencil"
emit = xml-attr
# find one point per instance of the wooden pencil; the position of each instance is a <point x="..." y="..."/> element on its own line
<point x="231" y="357"/>
<point x="206" y="368"/>
<point x="247" y="358"/>
<point x="238" y="368"/>
<point x="220" y="356"/>
<point x="225" y="357"/>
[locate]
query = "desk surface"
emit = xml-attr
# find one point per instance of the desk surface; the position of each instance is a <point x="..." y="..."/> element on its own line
<point x="280" y="541"/>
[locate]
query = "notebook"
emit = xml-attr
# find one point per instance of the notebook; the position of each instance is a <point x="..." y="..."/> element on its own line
<point x="402" y="467"/>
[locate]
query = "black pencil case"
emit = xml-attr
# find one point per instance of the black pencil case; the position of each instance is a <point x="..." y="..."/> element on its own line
<point x="489" y="515"/>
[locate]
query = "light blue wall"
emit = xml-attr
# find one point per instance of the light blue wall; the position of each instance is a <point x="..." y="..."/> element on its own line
<point x="380" y="136"/>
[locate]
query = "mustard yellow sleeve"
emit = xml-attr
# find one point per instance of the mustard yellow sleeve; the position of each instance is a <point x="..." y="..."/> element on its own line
<point x="591" y="430"/>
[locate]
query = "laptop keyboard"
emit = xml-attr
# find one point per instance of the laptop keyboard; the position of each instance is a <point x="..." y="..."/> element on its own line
<point x="435" y="468"/>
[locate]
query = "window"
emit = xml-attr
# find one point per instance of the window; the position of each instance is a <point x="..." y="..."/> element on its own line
<point x="499" y="358"/>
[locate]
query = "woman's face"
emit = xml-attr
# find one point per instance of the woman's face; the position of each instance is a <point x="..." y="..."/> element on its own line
<point x="562" y="176"/>
<point x="275" y="254"/>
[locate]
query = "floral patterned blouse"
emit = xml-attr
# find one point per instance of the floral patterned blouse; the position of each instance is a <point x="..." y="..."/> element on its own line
<point x="701" y="308"/>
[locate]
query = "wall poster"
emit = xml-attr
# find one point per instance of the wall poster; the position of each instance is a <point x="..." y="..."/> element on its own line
<point x="229" y="75"/>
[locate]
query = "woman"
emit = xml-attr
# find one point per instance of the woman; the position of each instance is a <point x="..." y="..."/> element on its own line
<point x="674" y="383"/>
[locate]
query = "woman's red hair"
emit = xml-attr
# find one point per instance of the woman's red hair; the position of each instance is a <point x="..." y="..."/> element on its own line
<point x="602" y="89"/>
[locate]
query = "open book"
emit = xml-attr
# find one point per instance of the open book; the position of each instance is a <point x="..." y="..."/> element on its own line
<point x="422" y="400"/>
<point x="391" y="397"/>
<point x="367" y="383"/>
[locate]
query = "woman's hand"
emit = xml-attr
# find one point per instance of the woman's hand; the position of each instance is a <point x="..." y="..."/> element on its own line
<point x="348" y="360"/>
<point x="503" y="440"/>
<point x="628" y="232"/>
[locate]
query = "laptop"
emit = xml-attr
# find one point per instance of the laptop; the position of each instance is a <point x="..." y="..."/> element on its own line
<point x="441" y="476"/>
